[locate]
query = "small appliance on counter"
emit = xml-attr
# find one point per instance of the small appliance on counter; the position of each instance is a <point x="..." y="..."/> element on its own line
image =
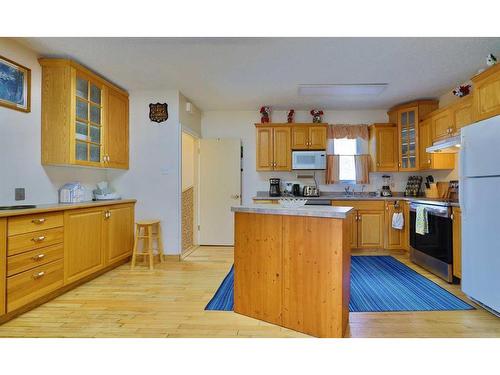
<point x="72" y="192"/>
<point x="386" y="189"/>
<point x="104" y="193"/>
<point x="296" y="190"/>
<point x="310" y="191"/>
<point x="274" y="187"/>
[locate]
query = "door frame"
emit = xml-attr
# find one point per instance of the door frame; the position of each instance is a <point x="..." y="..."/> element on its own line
<point x="196" y="188"/>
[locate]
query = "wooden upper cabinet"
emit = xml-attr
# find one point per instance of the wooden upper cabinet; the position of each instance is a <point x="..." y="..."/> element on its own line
<point x="273" y="151"/>
<point x="281" y="149"/>
<point x="383" y="146"/>
<point x="317" y="137"/>
<point x="117" y="136"/>
<point x="83" y="243"/>
<point x="119" y="232"/>
<point x="425" y="140"/>
<point x="442" y="124"/>
<point x="300" y="138"/>
<point x="462" y="112"/>
<point x="84" y="117"/>
<point x="309" y="137"/>
<point x="427" y="160"/>
<point x="408" y="116"/>
<point x="486" y="96"/>
<point x="264" y="151"/>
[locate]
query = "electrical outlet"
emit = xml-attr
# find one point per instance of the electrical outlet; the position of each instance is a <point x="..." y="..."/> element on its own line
<point x="19" y="194"/>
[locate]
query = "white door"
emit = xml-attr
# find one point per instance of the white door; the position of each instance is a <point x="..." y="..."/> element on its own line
<point x="220" y="188"/>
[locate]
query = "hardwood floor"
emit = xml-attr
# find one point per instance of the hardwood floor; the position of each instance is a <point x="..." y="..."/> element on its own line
<point x="170" y="302"/>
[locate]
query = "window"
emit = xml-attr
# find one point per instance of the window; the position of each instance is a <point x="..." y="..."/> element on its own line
<point x="346" y="148"/>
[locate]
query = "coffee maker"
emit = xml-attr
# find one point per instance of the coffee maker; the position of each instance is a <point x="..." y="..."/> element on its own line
<point x="386" y="189"/>
<point x="274" y="187"/>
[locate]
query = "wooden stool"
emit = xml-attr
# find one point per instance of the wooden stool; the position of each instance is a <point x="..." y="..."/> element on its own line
<point x="147" y="236"/>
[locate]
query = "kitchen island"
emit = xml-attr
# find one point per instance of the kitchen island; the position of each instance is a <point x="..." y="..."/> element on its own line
<point x="292" y="266"/>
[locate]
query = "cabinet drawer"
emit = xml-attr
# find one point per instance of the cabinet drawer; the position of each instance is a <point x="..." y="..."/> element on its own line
<point x="34" y="258"/>
<point x="360" y="204"/>
<point x="32" y="223"/>
<point x="33" y="284"/>
<point x="34" y="240"/>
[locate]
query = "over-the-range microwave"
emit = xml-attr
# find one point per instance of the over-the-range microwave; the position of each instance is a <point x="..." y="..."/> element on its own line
<point x="308" y="159"/>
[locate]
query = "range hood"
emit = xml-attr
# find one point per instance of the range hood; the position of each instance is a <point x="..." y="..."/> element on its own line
<point x="446" y="146"/>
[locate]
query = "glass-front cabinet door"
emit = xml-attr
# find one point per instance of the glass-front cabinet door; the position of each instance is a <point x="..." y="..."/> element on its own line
<point x="408" y="139"/>
<point x="88" y="121"/>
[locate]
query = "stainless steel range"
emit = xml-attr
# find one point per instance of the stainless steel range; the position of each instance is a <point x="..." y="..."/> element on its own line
<point x="433" y="250"/>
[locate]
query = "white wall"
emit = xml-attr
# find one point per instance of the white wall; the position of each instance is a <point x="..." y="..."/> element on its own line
<point x="154" y="174"/>
<point x="188" y="160"/>
<point x="20" y="142"/>
<point x="240" y="124"/>
<point x="190" y="121"/>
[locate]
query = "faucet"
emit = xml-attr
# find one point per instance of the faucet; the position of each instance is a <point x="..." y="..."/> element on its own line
<point x="348" y="191"/>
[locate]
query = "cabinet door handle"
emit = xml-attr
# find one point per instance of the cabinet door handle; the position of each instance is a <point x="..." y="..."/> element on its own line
<point x="38" y="257"/>
<point x="38" y="239"/>
<point x="38" y="221"/>
<point x="39" y="275"/>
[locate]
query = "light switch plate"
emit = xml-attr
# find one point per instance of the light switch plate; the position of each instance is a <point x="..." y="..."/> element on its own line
<point x="19" y="194"/>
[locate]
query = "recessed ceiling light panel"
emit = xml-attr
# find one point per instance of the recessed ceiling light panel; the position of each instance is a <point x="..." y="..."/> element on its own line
<point x="342" y="89"/>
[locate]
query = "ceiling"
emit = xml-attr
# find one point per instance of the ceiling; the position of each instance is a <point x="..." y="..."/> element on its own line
<point x="244" y="73"/>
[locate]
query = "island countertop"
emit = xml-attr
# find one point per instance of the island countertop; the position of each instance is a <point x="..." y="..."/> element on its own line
<point x="312" y="211"/>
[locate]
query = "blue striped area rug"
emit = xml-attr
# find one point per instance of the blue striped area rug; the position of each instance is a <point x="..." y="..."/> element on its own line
<point x="378" y="284"/>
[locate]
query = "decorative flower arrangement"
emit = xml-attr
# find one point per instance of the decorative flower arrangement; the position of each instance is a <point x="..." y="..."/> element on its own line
<point x="265" y="113"/>
<point x="462" y="90"/>
<point x="290" y="116"/>
<point x="316" y="114"/>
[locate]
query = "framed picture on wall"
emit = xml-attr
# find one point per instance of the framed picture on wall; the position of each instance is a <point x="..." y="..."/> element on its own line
<point x="15" y="85"/>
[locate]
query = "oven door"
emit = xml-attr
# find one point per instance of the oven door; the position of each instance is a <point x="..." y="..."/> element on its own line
<point x="438" y="243"/>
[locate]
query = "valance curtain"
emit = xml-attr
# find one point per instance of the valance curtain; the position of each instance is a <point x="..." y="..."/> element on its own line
<point x="348" y="131"/>
<point x="362" y="162"/>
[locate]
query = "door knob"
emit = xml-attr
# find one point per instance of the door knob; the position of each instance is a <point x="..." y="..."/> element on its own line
<point x="235" y="196"/>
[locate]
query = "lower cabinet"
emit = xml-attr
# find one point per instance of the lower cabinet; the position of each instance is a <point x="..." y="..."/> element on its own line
<point x="367" y="223"/>
<point x="40" y="253"/>
<point x="3" y="266"/>
<point x="83" y="243"/>
<point x="395" y="239"/>
<point x="96" y="237"/>
<point x="27" y="286"/>
<point x="119" y="232"/>
<point x="370" y="229"/>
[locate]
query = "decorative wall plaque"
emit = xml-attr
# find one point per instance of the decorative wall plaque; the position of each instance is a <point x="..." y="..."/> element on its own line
<point x="158" y="112"/>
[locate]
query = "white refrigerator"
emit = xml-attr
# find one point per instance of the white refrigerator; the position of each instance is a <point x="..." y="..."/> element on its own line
<point x="480" y="205"/>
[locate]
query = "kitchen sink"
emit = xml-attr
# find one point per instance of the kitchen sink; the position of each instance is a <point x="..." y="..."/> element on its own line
<point x="20" y="207"/>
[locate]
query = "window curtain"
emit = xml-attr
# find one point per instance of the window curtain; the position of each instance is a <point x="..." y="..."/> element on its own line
<point x="332" y="169"/>
<point x="362" y="165"/>
<point x="348" y="131"/>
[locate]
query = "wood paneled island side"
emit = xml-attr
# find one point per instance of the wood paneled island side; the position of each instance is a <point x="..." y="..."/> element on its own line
<point x="292" y="267"/>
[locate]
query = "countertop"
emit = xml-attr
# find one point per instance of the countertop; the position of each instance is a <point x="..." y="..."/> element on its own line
<point x="314" y="211"/>
<point x="62" y="207"/>
<point x="337" y="196"/>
